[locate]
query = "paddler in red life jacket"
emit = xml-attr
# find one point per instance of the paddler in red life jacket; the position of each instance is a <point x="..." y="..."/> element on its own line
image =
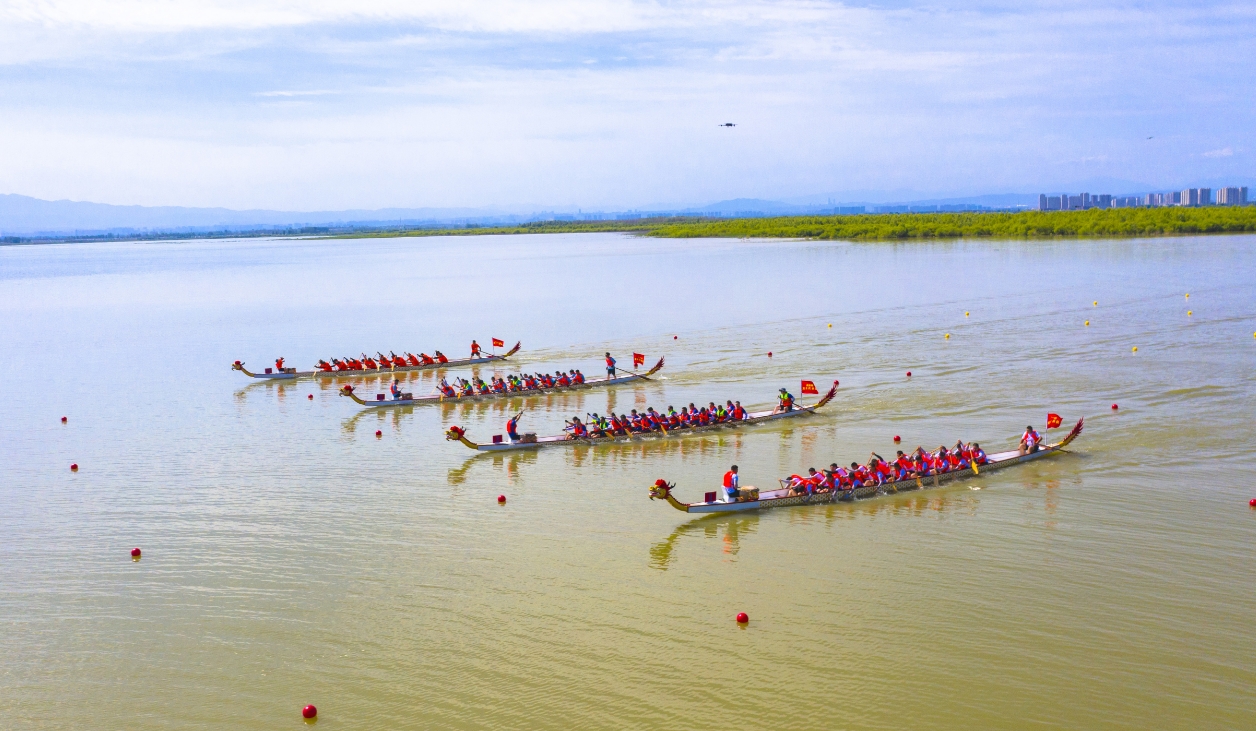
<point x="446" y="389"/>
<point x="563" y="380"/>
<point x="426" y="359"/>
<point x="411" y="359"/>
<point x="577" y="377"/>
<point x="1029" y="441"/>
<point x="906" y="470"/>
<point x="324" y="366"/>
<point x="841" y="478"/>
<point x="475" y="349"/>
<point x="859" y="476"/>
<point x="395" y="389"/>
<point x="279" y="365"/>
<point x="610" y="366"/>
<point x="978" y="454"/>
<point x="731" y="485"/>
<point x="738" y="412"/>
<point x="578" y="430"/>
<point x="440" y="357"/>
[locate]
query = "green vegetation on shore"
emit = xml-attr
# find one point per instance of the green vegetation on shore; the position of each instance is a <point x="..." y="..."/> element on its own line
<point x="899" y="226"/>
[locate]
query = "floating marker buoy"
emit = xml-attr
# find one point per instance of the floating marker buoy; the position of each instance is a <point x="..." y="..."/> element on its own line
<point x="309" y="712"/>
<point x="1088" y="323"/>
<point x="74" y="467"/>
<point x="1188" y="295"/>
<point x="378" y="433"/>
<point x="965" y="314"/>
<point x="1252" y="502"/>
<point x="310" y="397"/>
<point x="675" y="337"/>
<point x="742" y="618"/>
<point x="830" y="325"/>
<point x="948" y="336"/>
<point x="135" y="553"/>
<point x="501" y="499"/>
<point x="1135" y="349"/>
<point x="769" y="354"/>
<point x="63" y="420"/>
<point x="1096" y="303"/>
<point x="897" y="439"/>
<point x="909" y="374"/>
<point x="1114" y="407"/>
<point x="1189" y="313"/>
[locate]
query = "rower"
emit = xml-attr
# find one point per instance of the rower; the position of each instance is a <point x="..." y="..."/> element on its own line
<point x="578" y="377"/>
<point x="578" y="430"/>
<point x="1029" y="441"/>
<point x="512" y="427"/>
<point x="979" y="454"/>
<point x="395" y="389"/>
<point x="610" y="366"/>
<point x="786" y="404"/>
<point x="440" y="357"/>
<point x="731" y="482"/>
<point x="475" y="349"/>
<point x="738" y="412"/>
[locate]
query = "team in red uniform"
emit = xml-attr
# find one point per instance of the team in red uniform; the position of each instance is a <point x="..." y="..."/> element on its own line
<point x="880" y="471"/>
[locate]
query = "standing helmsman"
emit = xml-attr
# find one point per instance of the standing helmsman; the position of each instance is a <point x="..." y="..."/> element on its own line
<point x="610" y="366"/>
<point x="731" y="483"/>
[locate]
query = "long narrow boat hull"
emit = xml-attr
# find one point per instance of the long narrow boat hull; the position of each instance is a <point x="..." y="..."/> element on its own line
<point x="457" y="434"/>
<point x="387" y="403"/>
<point x="290" y="373"/>
<point x="782" y="498"/>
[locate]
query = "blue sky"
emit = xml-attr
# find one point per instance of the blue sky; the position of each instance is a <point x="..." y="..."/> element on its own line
<point x="613" y="103"/>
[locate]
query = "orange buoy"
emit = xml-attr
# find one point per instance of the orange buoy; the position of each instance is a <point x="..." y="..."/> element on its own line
<point x="742" y="618"/>
<point x="309" y="711"/>
<point x="74" y="467"/>
<point x="63" y="420"/>
<point x="135" y="553"/>
<point x="378" y="433"/>
<point x="501" y="499"/>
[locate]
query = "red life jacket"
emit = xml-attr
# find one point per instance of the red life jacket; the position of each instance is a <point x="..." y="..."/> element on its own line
<point x="579" y="378"/>
<point x="564" y="381"/>
<point x="441" y="358"/>
<point x="739" y="413"/>
<point x="324" y="366"/>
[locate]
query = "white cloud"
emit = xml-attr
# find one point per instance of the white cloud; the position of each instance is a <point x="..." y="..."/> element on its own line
<point x="1223" y="152"/>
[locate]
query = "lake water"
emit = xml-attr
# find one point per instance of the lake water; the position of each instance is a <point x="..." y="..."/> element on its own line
<point x="291" y="557"/>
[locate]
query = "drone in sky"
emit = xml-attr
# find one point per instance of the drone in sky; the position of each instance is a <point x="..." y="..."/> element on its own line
<point x="726" y="124"/>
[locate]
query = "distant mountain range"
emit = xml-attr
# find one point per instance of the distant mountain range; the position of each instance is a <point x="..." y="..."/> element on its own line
<point x="25" y="216"/>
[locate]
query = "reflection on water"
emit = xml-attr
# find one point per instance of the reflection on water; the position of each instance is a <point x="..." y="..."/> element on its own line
<point x="727" y="529"/>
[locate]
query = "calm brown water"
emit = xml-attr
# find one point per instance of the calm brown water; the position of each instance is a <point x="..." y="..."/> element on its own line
<point x="290" y="557"/>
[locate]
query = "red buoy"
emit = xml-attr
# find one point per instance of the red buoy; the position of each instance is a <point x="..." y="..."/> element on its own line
<point x="675" y="337"/>
<point x="769" y="354"/>
<point x="742" y="618"/>
<point x="63" y="420"/>
<point x="309" y="711"/>
<point x="310" y="397"/>
<point x="379" y="433"/>
<point x="501" y="499"/>
<point x="909" y="374"/>
<point x="1252" y="502"/>
<point x="1114" y="407"/>
<point x="74" y="467"/>
<point x="135" y="553"/>
<point x="897" y="439"/>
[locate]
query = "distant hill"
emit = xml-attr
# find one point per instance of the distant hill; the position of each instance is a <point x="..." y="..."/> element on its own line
<point x="21" y="214"/>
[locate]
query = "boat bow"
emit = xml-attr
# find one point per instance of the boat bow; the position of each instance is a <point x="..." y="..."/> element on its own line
<point x="239" y="366"/>
<point x="662" y="490"/>
<point x="348" y="391"/>
<point x="458" y="434"/>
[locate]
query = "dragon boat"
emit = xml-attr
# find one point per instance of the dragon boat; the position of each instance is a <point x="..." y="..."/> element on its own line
<point x="291" y="373"/>
<point x="381" y="401"/>
<point x="529" y="441"/>
<point x="753" y="499"/>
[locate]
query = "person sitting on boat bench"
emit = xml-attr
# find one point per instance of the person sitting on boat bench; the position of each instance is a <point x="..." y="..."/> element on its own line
<point x="395" y="388"/>
<point x="1029" y="441"/>
<point x="731" y="482"/>
<point x="512" y="427"/>
<point x="786" y="402"/>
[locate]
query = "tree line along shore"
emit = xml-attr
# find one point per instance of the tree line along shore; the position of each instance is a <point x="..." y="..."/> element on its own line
<point x="897" y="226"/>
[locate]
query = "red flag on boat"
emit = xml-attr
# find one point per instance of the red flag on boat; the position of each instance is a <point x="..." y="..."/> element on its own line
<point x="637" y="359"/>
<point x="499" y="343"/>
<point x="1053" y="420"/>
<point x="809" y="387"/>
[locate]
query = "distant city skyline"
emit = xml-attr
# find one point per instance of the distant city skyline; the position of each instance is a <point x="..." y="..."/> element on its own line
<point x="614" y="104"/>
<point x="1230" y="196"/>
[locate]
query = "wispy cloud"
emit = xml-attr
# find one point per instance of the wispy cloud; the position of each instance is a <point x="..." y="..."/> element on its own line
<point x="280" y="103"/>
